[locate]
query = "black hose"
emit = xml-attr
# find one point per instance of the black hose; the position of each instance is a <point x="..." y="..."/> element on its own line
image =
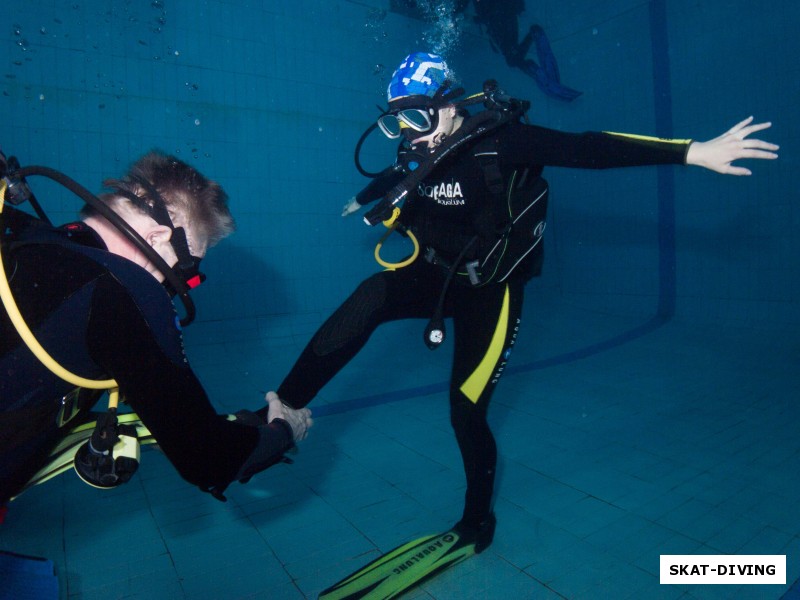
<point x="437" y="320"/>
<point x="357" y="153"/>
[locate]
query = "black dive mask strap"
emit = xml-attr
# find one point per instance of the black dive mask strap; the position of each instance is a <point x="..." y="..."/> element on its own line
<point x="447" y="94"/>
<point x="188" y="266"/>
<point x="158" y="209"/>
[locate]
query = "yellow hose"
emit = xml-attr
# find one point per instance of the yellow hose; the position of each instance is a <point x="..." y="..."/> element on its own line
<point x="33" y="344"/>
<point x="391" y="223"/>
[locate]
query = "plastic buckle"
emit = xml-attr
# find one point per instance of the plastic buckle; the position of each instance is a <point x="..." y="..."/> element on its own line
<point x="472" y="271"/>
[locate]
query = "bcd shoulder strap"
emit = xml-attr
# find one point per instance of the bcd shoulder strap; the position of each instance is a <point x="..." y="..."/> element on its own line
<point x="489" y="161"/>
<point x="517" y="217"/>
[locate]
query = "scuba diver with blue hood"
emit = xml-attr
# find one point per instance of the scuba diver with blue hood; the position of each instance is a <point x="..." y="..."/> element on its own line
<point x="85" y="311"/>
<point x="474" y="203"/>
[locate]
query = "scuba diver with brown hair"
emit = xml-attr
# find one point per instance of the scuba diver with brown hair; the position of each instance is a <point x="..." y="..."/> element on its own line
<point x="473" y="199"/>
<point x="88" y="295"/>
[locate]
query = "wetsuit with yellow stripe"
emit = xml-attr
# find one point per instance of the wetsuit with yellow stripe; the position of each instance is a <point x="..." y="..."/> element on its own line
<point x="449" y="208"/>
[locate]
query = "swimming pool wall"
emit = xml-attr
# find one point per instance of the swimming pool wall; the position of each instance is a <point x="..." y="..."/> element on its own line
<point x="269" y="99"/>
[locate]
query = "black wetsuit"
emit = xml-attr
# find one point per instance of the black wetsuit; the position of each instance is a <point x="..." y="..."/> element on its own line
<point x="449" y="208"/>
<point x="102" y="316"/>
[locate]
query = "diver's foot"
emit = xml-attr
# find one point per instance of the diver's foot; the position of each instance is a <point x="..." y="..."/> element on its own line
<point x="481" y="534"/>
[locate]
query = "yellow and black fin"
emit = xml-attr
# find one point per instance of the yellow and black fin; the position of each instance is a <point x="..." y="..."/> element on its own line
<point x="402" y="568"/>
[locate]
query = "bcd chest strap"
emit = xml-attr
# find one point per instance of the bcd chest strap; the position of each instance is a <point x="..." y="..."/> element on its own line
<point x="511" y="225"/>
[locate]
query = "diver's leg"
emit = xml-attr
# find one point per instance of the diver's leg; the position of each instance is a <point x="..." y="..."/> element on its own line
<point x="516" y="56"/>
<point x="503" y="36"/>
<point x="29" y="434"/>
<point x="500" y="22"/>
<point x="32" y="431"/>
<point x="486" y="325"/>
<point x="387" y="296"/>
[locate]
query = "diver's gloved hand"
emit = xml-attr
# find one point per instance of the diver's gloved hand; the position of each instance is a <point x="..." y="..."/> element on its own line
<point x="284" y="427"/>
<point x="351" y="207"/>
<point x="278" y="430"/>
<point x="247" y="417"/>
<point x="299" y="420"/>
<point x="274" y="440"/>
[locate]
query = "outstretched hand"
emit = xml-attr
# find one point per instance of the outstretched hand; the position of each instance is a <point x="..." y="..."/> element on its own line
<point x="351" y="207"/>
<point x="719" y="153"/>
<point x="299" y="420"/>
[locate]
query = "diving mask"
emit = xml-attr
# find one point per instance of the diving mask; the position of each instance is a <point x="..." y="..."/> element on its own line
<point x="418" y="120"/>
<point x="417" y="113"/>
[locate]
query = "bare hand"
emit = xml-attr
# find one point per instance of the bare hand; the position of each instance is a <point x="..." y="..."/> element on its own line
<point x="351" y="207"/>
<point x="719" y="153"/>
<point x="299" y="420"/>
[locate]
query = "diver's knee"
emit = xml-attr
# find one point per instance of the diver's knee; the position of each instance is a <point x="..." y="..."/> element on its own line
<point x="464" y="413"/>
